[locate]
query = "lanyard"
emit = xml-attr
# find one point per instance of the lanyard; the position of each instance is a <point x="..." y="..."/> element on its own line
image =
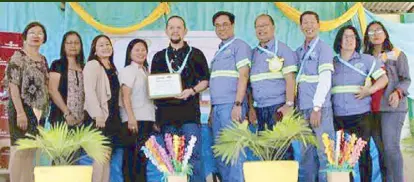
<point x="350" y="65"/>
<point x="223" y="47"/>
<point x="180" y="69"/>
<point x="305" y="57"/>
<point x="356" y="69"/>
<point x="270" y="52"/>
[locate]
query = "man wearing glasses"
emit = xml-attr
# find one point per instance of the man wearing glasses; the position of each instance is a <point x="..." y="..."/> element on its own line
<point x="228" y="83"/>
<point x="272" y="76"/>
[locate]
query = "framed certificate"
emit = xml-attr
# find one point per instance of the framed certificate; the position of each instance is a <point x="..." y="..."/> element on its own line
<point x="164" y="85"/>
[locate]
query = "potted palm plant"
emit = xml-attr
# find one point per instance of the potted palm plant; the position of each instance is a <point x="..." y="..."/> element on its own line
<point x="269" y="146"/>
<point x="61" y="146"/>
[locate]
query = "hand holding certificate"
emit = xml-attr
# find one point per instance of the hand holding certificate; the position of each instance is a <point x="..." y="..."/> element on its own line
<point x="161" y="86"/>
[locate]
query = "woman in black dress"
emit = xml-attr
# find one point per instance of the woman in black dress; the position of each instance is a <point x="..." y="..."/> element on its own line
<point x="101" y="88"/>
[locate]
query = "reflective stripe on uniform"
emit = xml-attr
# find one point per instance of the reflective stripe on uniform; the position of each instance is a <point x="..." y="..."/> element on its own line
<point x="309" y="78"/>
<point x="325" y="67"/>
<point x="378" y="73"/>
<point x="266" y="76"/>
<point x="345" y="89"/>
<point x="289" y="69"/>
<point x="225" y="73"/>
<point x="243" y="62"/>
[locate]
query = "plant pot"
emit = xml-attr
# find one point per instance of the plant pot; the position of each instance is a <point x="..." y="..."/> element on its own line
<point x="338" y="177"/>
<point x="177" y="178"/>
<point x="63" y="173"/>
<point x="271" y="171"/>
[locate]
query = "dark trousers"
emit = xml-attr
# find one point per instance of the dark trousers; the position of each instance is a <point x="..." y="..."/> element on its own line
<point x="134" y="166"/>
<point x="376" y="135"/>
<point x="360" y="125"/>
<point x="267" y="117"/>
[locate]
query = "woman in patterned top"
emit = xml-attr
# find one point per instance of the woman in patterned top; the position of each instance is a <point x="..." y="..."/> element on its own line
<point x="66" y="82"/>
<point x="26" y="80"/>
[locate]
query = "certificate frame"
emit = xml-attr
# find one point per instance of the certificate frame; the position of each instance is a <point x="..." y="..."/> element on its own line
<point x="170" y="83"/>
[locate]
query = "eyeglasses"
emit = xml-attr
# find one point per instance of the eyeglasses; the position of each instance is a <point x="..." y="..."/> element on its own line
<point x="223" y="26"/>
<point x="72" y="43"/>
<point x="378" y="31"/>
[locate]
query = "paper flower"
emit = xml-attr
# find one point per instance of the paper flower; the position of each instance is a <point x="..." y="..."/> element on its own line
<point x="170" y="160"/>
<point x="169" y="144"/>
<point x="176" y="144"/>
<point x="189" y="150"/>
<point x="344" y="152"/>
<point x="356" y="153"/>
<point x="337" y="145"/>
<point x="151" y="157"/>
<point x="164" y="157"/>
<point x="153" y="151"/>
<point x="328" y="148"/>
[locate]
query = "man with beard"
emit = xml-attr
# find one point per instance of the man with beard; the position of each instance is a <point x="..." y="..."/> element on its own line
<point x="229" y="76"/>
<point x="314" y="98"/>
<point x="181" y="115"/>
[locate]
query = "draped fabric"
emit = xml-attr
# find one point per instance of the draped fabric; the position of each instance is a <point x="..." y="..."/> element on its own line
<point x="93" y="18"/>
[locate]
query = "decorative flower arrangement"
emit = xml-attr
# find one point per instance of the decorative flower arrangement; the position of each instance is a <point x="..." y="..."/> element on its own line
<point x="343" y="153"/>
<point x="174" y="160"/>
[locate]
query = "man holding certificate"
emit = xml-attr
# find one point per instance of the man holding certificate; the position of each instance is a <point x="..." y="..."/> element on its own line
<point x="178" y="111"/>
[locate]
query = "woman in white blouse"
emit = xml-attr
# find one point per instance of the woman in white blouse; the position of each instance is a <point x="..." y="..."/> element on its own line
<point x="136" y="109"/>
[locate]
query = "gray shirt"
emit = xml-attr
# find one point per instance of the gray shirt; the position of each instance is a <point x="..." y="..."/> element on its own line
<point x="396" y="65"/>
<point x="135" y="77"/>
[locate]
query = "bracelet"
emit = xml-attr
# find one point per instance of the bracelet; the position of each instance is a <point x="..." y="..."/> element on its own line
<point x="192" y="88"/>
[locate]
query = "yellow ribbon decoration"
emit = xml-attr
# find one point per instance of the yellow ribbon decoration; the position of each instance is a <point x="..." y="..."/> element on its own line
<point x="294" y="15"/>
<point x="162" y="8"/>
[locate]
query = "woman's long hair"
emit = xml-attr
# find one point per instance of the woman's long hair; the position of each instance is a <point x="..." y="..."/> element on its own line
<point x="369" y="47"/>
<point x="92" y="53"/>
<point x="131" y="45"/>
<point x="80" y="58"/>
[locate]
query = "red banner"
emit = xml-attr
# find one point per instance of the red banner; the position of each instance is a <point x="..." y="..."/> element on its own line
<point x="9" y="42"/>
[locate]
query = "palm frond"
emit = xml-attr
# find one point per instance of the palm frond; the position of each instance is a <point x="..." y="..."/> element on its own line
<point x="61" y="144"/>
<point x="268" y="145"/>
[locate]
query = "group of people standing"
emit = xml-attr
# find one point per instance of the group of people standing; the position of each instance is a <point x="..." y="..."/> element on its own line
<point x="362" y="93"/>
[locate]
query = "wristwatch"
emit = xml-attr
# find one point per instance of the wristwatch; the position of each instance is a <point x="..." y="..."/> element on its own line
<point x="316" y="109"/>
<point x="237" y="103"/>
<point x="290" y="103"/>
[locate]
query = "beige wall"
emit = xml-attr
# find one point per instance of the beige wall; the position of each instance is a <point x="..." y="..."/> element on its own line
<point x="390" y="17"/>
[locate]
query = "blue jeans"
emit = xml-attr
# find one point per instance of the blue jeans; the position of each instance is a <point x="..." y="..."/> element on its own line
<point x="221" y="119"/>
<point x="187" y="130"/>
<point x="391" y="124"/>
<point x="265" y="118"/>
<point x="310" y="168"/>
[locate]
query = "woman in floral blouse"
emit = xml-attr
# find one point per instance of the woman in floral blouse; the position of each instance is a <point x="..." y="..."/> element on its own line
<point x="26" y="80"/>
<point x="66" y="82"/>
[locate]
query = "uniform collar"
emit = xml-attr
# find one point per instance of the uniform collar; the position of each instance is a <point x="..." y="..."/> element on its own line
<point x="308" y="46"/>
<point x="182" y="49"/>
<point x="226" y="41"/>
<point x="270" y="44"/>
